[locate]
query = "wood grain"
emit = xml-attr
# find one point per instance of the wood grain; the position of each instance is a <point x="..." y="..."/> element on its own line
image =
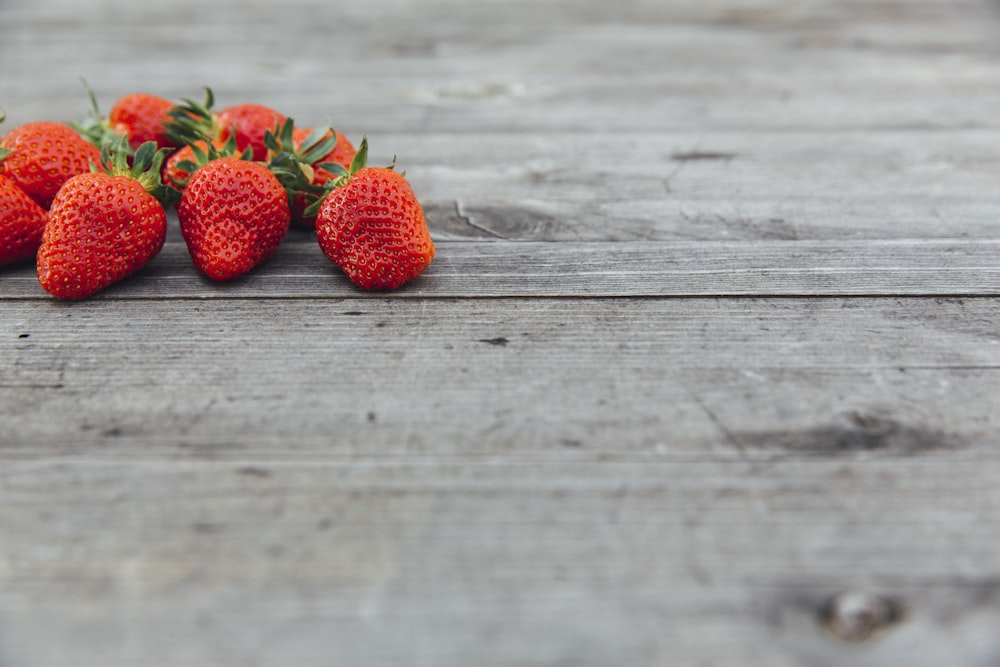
<point x="703" y="373"/>
<point x="413" y="378"/>
<point x="539" y="67"/>
<point x="624" y="269"/>
<point x="337" y="564"/>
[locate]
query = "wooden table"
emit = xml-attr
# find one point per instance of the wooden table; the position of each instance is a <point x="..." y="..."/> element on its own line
<point x="705" y="371"/>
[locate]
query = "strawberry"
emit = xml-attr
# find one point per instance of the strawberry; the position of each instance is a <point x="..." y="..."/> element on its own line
<point x="248" y="123"/>
<point x="22" y="221"/>
<point x="372" y="226"/>
<point x="43" y="155"/>
<point x="140" y="117"/>
<point x="233" y="215"/>
<point x="105" y="225"/>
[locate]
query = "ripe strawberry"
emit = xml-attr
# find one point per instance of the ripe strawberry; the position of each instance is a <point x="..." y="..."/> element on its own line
<point x="22" y="222"/>
<point x="106" y="225"/>
<point x="373" y="227"/>
<point x="140" y="117"/>
<point x="43" y="156"/>
<point x="248" y="123"/>
<point x="233" y="215"/>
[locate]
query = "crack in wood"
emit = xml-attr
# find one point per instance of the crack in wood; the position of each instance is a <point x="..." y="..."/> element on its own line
<point x="499" y="341"/>
<point x="695" y="155"/>
<point x="464" y="217"/>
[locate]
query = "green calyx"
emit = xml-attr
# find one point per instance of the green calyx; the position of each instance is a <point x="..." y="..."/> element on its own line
<point x="192" y="121"/>
<point x="3" y="151"/>
<point x="294" y="167"/>
<point x="144" y="167"/>
<point x="95" y="128"/>
<point x="211" y="151"/>
<point x="317" y="144"/>
<point x="359" y="162"/>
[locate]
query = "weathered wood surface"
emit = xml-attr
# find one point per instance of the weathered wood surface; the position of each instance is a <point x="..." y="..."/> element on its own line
<point x="527" y="378"/>
<point x="625" y="269"/>
<point x="711" y="341"/>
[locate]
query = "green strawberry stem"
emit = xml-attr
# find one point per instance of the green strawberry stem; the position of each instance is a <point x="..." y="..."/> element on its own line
<point x="211" y="151"/>
<point x="3" y="151"/>
<point x="294" y="167"/>
<point x="316" y="145"/>
<point x="358" y="163"/>
<point x="145" y="167"/>
<point x="96" y="129"/>
<point x="192" y="121"/>
<point x="296" y="178"/>
<point x="360" y="158"/>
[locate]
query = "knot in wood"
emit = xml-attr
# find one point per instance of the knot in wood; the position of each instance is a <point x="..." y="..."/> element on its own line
<point x="857" y="616"/>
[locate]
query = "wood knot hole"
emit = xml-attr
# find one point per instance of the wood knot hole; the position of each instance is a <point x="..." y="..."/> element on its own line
<point x="856" y="616"/>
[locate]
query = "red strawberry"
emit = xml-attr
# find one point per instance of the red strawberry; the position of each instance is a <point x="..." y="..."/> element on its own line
<point x="104" y="226"/>
<point x="140" y="117"/>
<point x="233" y="215"/>
<point x="43" y="156"/>
<point x="21" y="223"/>
<point x="373" y="227"/>
<point x="248" y="123"/>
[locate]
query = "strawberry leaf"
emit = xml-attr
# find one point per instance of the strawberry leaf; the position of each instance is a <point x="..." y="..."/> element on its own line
<point x="145" y="168"/>
<point x="280" y="139"/>
<point x="96" y="128"/>
<point x="312" y="208"/>
<point x="3" y="151"/>
<point x="360" y="157"/>
<point x="334" y="168"/>
<point x="191" y="121"/>
<point x="143" y="158"/>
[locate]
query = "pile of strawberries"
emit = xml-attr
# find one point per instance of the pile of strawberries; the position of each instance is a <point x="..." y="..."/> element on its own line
<point x="87" y="201"/>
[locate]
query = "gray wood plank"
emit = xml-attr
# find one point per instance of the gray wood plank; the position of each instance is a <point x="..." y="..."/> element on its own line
<point x="496" y="564"/>
<point x="540" y="66"/>
<point x="682" y="269"/>
<point x="710" y="341"/>
<point x="415" y="378"/>
<point x="716" y="186"/>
